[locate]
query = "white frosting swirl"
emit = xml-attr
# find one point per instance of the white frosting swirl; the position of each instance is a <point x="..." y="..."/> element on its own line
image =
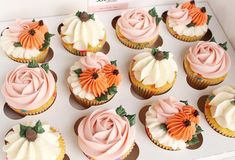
<point x="153" y="124"/>
<point x="75" y="83"/>
<point x="154" y="72"/>
<point x="222" y="108"/>
<point x="7" y="45"/>
<point x="45" y="147"/>
<point x="81" y="34"/>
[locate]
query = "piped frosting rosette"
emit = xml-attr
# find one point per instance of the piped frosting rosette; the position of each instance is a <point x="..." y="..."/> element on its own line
<point x="187" y="22"/>
<point x="94" y="79"/>
<point x="34" y="141"/>
<point x="29" y="89"/>
<point x="220" y="110"/>
<point x="107" y="134"/>
<point x="26" y="40"/>
<point x="207" y="63"/>
<point x="83" y="32"/>
<point x="172" y="124"/>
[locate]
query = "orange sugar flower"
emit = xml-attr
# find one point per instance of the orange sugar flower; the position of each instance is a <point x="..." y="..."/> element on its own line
<point x="112" y="74"/>
<point x="94" y="81"/>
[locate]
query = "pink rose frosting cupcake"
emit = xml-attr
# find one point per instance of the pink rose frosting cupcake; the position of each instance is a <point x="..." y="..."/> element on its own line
<point x="206" y="63"/>
<point x="187" y="22"/>
<point x="107" y="134"/>
<point x="29" y="89"/>
<point x="138" y="28"/>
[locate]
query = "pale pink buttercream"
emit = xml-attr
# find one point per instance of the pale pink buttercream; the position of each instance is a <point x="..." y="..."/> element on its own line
<point x="180" y="16"/>
<point x="104" y="135"/>
<point x="138" y="25"/>
<point x="95" y="60"/>
<point x="166" y="108"/>
<point x="28" y="88"/>
<point x="16" y="29"/>
<point x="209" y="59"/>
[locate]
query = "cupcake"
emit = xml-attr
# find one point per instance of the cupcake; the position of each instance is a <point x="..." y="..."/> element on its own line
<point x="33" y="141"/>
<point x="25" y="41"/>
<point x="93" y="80"/>
<point x="206" y="64"/>
<point x="29" y="89"/>
<point x="138" y="28"/>
<point x="82" y="33"/>
<point x="152" y="72"/>
<point x="172" y="125"/>
<point x="187" y="22"/>
<point x="220" y="110"/>
<point x="107" y="134"/>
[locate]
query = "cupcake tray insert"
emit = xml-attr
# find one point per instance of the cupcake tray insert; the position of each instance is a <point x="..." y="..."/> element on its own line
<point x="62" y="115"/>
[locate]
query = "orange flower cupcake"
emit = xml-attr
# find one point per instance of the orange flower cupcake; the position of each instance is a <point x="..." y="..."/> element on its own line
<point x="25" y="41"/>
<point x="187" y="22"/>
<point x="172" y="125"/>
<point x="93" y="80"/>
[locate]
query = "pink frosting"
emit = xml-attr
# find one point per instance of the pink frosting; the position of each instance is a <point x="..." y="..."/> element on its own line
<point x="28" y="88"/>
<point x="209" y="59"/>
<point x="138" y="25"/>
<point x="16" y="29"/>
<point x="94" y="60"/>
<point x="166" y="108"/>
<point x="105" y="135"/>
<point x="180" y="16"/>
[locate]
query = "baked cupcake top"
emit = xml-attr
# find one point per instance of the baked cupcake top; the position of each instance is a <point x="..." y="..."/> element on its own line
<point x="173" y="123"/>
<point x="32" y="141"/>
<point x="187" y="19"/>
<point x="107" y="134"/>
<point x="28" y="87"/>
<point x="154" y="67"/>
<point x="82" y="30"/>
<point x="139" y="25"/>
<point x="25" y="39"/>
<point x="222" y="104"/>
<point x="94" y="77"/>
<point x="209" y="59"/>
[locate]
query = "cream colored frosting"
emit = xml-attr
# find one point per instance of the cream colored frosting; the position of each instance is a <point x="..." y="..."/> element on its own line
<point x="150" y="71"/>
<point x="7" y="45"/>
<point x="81" y="34"/>
<point x="45" y="147"/>
<point x="182" y="29"/>
<point x="221" y="107"/>
<point x="153" y="124"/>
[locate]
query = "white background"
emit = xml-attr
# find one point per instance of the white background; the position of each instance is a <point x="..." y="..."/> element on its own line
<point x="62" y="115"/>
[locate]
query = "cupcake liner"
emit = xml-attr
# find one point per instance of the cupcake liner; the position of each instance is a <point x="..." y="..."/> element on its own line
<point x="69" y="47"/>
<point x="134" y="45"/>
<point x="196" y="80"/>
<point x="147" y="91"/>
<point x="61" y="145"/>
<point x="157" y="143"/>
<point x="39" y="110"/>
<point x="212" y="122"/>
<point x="183" y="37"/>
<point x="40" y="58"/>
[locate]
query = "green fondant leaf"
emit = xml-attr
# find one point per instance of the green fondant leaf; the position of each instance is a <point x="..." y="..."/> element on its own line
<point x="46" y="67"/>
<point x="131" y="119"/>
<point x="233" y="102"/>
<point x="158" y="20"/>
<point x="33" y="64"/>
<point x="185" y="102"/>
<point x="198" y="129"/>
<point x="38" y="127"/>
<point x="103" y="97"/>
<point x="78" y="71"/>
<point x="166" y="54"/>
<point x="154" y="51"/>
<point x="191" y="24"/>
<point x="213" y="39"/>
<point x="23" y="130"/>
<point x="92" y="16"/>
<point x="78" y="13"/>
<point x="33" y="20"/>
<point x="114" y="62"/>
<point x="209" y="18"/>
<point x="153" y="12"/>
<point x="121" y="111"/>
<point x="224" y="45"/>
<point x="46" y="41"/>
<point x="163" y="126"/>
<point x="193" y="141"/>
<point x="211" y="97"/>
<point x="177" y="5"/>
<point x="17" y="44"/>
<point x="112" y="90"/>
